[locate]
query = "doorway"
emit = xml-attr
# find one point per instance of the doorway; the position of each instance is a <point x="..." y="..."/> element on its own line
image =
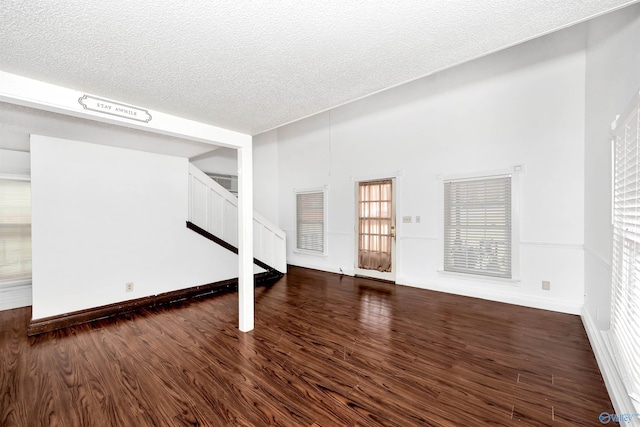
<point x="376" y="229"/>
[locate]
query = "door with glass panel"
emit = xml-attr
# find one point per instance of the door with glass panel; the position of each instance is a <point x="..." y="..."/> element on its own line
<point x="376" y="229"/>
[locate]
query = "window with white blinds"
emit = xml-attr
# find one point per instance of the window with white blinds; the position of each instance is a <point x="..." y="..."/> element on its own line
<point x="477" y="226"/>
<point x="15" y="230"/>
<point x="625" y="295"/>
<point x="310" y="222"/>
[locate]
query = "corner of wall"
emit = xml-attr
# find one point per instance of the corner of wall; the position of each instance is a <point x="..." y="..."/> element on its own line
<point x="604" y="356"/>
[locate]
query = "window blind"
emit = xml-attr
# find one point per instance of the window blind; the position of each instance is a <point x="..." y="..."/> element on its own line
<point x="15" y="230"/>
<point x="477" y="226"/>
<point x="625" y="297"/>
<point x="310" y="229"/>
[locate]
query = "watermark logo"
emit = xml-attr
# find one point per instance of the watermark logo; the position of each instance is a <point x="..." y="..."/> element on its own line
<point x="606" y="418"/>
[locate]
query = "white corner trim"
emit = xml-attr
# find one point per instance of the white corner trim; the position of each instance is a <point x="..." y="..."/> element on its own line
<point x="602" y="350"/>
<point x="596" y="256"/>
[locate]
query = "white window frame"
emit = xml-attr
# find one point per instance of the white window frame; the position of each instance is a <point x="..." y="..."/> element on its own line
<point x="513" y="172"/>
<point x="26" y="280"/>
<point x="625" y="265"/>
<point x="325" y="250"/>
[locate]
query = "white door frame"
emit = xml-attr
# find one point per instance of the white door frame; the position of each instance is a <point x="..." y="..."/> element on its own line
<point x="388" y="276"/>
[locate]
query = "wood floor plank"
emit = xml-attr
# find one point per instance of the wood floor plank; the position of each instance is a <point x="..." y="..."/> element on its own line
<point x="327" y="350"/>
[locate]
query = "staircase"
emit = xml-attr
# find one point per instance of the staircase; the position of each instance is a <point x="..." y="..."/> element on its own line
<point x="213" y="213"/>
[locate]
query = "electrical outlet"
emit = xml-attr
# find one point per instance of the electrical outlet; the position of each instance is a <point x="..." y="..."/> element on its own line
<point x="546" y="285"/>
<point x="406" y="219"/>
<point x="129" y="287"/>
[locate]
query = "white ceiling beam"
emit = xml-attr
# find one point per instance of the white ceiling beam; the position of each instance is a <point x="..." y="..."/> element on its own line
<point x="15" y="89"/>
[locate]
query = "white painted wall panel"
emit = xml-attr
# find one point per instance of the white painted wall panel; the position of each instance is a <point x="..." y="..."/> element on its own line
<point x="199" y="193"/>
<point x="265" y="175"/>
<point x="216" y="213"/>
<point x="230" y="212"/>
<point x="105" y="216"/>
<point x="523" y="106"/>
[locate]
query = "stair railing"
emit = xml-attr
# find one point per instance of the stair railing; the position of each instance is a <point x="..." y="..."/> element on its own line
<point x="214" y="209"/>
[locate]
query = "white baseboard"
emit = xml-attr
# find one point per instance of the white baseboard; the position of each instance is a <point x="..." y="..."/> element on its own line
<point x="328" y="269"/>
<point x="606" y="362"/>
<point x="468" y="291"/>
<point x="531" y="301"/>
<point x="15" y="296"/>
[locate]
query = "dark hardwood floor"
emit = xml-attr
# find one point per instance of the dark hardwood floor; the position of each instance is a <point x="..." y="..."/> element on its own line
<point x="326" y="351"/>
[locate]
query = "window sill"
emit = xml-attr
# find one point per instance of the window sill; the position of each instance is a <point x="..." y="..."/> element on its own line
<point x="477" y="277"/>
<point x="15" y="283"/>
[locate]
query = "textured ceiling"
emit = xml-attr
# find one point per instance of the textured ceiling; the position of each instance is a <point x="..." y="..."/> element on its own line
<point x="251" y="66"/>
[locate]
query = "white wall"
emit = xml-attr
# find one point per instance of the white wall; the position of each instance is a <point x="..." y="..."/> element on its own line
<point x="14" y="163"/>
<point x="523" y="106"/>
<point x="612" y="79"/>
<point x="223" y="161"/>
<point x="105" y="216"/>
<point x="265" y="175"/>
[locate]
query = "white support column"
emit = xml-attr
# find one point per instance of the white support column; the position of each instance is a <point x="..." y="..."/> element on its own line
<point x="245" y="239"/>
